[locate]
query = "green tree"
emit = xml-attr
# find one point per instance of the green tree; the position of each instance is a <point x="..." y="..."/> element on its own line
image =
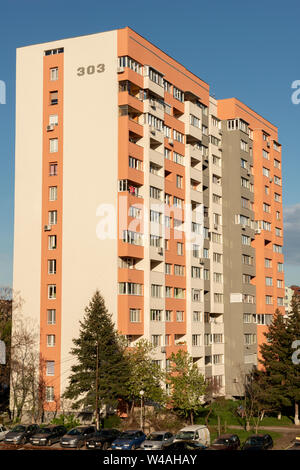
<point x="187" y="385"/>
<point x="280" y="374"/>
<point x="99" y="352"/>
<point x="145" y="375"/>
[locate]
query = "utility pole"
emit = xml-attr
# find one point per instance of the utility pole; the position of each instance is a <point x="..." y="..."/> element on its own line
<point x="97" y="385"/>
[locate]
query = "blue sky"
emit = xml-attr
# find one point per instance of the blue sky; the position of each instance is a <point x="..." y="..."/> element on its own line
<point x="247" y="50"/>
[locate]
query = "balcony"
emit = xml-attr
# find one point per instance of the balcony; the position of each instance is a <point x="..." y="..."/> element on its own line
<point x="154" y="87"/>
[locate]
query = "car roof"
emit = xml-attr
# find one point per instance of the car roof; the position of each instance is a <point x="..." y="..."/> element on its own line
<point x="193" y="427"/>
<point x="225" y="436"/>
<point x="159" y="432"/>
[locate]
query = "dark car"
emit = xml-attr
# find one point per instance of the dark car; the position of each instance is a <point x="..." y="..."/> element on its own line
<point x="258" y="442"/>
<point x="21" y="433"/>
<point x="181" y="446"/>
<point x="128" y="440"/>
<point x="77" y="436"/>
<point x="226" y="442"/>
<point x="48" y="435"/>
<point x="102" y="439"/>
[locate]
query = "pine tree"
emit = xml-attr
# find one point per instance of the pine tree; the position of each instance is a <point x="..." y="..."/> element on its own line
<point x="293" y="372"/>
<point x="281" y="375"/>
<point x="97" y="332"/>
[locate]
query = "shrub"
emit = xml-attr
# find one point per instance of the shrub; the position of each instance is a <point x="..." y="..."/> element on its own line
<point x="69" y="421"/>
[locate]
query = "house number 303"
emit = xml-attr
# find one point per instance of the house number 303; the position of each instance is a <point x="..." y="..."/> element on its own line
<point x="90" y="70"/>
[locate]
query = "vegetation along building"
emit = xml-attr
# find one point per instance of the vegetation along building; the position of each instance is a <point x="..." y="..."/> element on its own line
<point x="132" y="179"/>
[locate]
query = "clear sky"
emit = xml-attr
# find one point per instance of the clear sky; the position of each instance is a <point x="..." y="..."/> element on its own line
<point x="249" y="50"/>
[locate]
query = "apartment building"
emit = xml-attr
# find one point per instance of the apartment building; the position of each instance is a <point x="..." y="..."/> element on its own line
<point x="133" y="176"/>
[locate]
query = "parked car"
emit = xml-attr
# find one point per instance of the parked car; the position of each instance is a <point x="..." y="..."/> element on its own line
<point x="226" y="442"/>
<point x="258" y="442"/>
<point x="3" y="432"/>
<point x="102" y="439"/>
<point x="77" y="437"/>
<point x="131" y="439"/>
<point x="48" y="435"/>
<point x="181" y="446"/>
<point x="157" y="440"/>
<point x="296" y="444"/>
<point x="21" y="433"/>
<point x="196" y="432"/>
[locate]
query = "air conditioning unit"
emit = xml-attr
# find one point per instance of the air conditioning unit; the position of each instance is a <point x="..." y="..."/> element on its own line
<point x="50" y="127"/>
<point x="201" y="260"/>
<point x="220" y="132"/>
<point x="248" y="173"/>
<point x="160" y="251"/>
<point x="216" y="227"/>
<point x="257" y="231"/>
<point x="271" y="179"/>
<point x="163" y="349"/>
<point x="243" y="227"/>
<point x="152" y="130"/>
<point x="171" y="142"/>
<point x="47" y="228"/>
<point x="235" y="380"/>
<point x="268" y="144"/>
<point x="120" y="69"/>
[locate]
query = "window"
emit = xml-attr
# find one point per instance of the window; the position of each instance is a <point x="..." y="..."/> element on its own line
<point x="266" y="155"/>
<point x="156" y="290"/>
<point x="268" y="263"/>
<point x="277" y="163"/>
<point x="279" y="283"/>
<point x="167" y="131"/>
<point x="155" y="216"/>
<point x="216" y="199"/>
<point x="246" y="240"/>
<point x="194" y="121"/>
<point x="246" y="259"/>
<point x="168" y="291"/>
<point x="53" y="169"/>
<point x="135" y="212"/>
<point x="179" y="293"/>
<point x="52" y="242"/>
<point x="246" y="279"/>
<point x="244" y="163"/>
<point x="196" y="340"/>
<point x="217" y="257"/>
<point x="179" y="181"/>
<point x="216" y="179"/>
<point x="49" y="394"/>
<point x="51" y="316"/>
<point x="50" y="341"/>
<point x="178" y="136"/>
<point x="156" y="340"/>
<point x="277" y="197"/>
<point x="216" y="160"/>
<point x="269" y="281"/>
<point x="53" y="97"/>
<point x="216" y="237"/>
<point x="266" y="172"/>
<point x="168" y="315"/>
<point x="277" y="215"/>
<point x="205" y="253"/>
<point x="197" y="316"/>
<point x="178" y="94"/>
<point x="53" y="145"/>
<point x="155" y="193"/>
<point x="178" y="270"/>
<point x="155" y="76"/>
<point x="153" y="121"/>
<point x="277" y="248"/>
<point x="177" y="158"/>
<point x="126" y="61"/>
<point x="167" y="153"/>
<point x="168" y="268"/>
<point x="52" y="193"/>
<point x="206" y="274"/>
<point x="247" y="318"/>
<point x="196" y="295"/>
<point x="249" y="338"/>
<point x="267" y="190"/>
<point x="50" y="367"/>
<point x="269" y="300"/>
<point x="51" y="291"/>
<point x="135" y="163"/>
<point x="167" y="86"/>
<point x="218" y="358"/>
<point x="53" y="120"/>
<point x="179" y="248"/>
<point x="51" y="266"/>
<point x="133" y="238"/>
<point x="218" y="298"/>
<point x="244" y="146"/>
<point x="179" y="315"/>
<point x="130" y="288"/>
<point x="266" y="207"/>
<point x="280" y="301"/>
<point x="134" y="315"/>
<point x="155" y="315"/>
<point x="52" y="217"/>
<point x="54" y="74"/>
<point x="280" y="267"/>
<point x="277" y="180"/>
<point x="218" y="277"/>
<point x="196" y="272"/>
<point x="278" y="232"/>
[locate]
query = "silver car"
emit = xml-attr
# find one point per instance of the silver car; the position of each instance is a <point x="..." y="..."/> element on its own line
<point x="157" y="440"/>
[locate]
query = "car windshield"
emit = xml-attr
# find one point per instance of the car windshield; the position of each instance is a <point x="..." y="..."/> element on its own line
<point x="75" y="432"/>
<point x="19" y="428"/>
<point x="128" y="435"/>
<point x="253" y="441"/>
<point x="222" y="441"/>
<point x="155" y="437"/>
<point x="45" y="431"/>
<point x="185" y="435"/>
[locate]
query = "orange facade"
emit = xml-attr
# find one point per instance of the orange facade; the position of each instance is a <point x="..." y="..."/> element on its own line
<point x="269" y="280"/>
